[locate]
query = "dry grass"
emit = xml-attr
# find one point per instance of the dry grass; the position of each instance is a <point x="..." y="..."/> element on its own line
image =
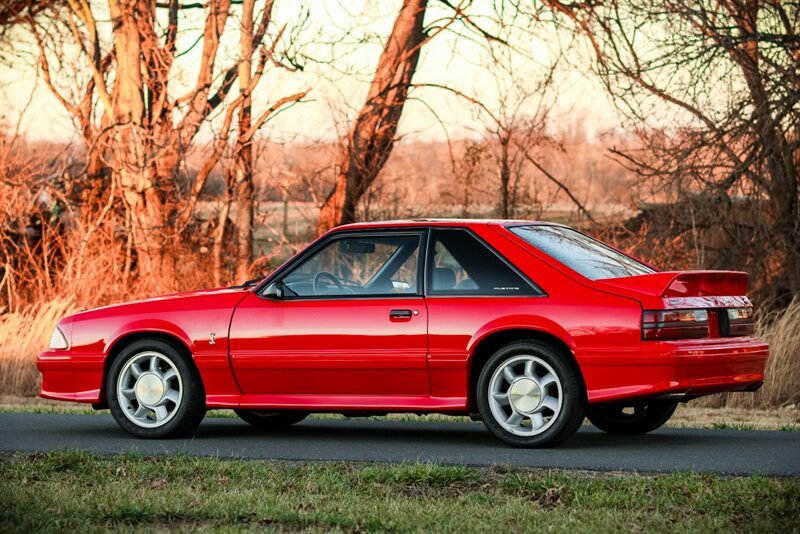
<point x="782" y="384"/>
<point x="24" y="334"/>
<point x="782" y="331"/>
<point x="694" y="415"/>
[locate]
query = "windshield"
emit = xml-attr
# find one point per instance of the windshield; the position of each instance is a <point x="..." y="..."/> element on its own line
<point x="581" y="253"/>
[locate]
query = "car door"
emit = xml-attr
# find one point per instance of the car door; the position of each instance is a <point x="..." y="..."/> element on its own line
<point x="348" y="318"/>
<point x="469" y="286"/>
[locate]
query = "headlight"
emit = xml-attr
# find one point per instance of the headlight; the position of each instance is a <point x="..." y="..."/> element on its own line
<point x="58" y="341"/>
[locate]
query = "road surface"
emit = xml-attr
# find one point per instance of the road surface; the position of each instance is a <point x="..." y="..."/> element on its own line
<point x="735" y="452"/>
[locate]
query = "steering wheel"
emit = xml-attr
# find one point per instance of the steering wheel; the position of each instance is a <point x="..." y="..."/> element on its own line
<point x="325" y="274"/>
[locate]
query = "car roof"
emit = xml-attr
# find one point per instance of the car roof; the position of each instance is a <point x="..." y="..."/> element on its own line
<point x="438" y="222"/>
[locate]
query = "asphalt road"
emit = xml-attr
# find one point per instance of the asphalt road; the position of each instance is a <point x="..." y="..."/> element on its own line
<point x="736" y="452"/>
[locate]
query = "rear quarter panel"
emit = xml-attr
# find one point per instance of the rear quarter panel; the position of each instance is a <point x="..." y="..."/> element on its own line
<point x="592" y="323"/>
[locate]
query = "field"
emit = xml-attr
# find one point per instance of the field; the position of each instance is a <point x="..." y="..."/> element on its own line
<point x="61" y="491"/>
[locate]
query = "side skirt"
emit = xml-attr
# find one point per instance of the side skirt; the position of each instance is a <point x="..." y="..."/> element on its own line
<point x="337" y="403"/>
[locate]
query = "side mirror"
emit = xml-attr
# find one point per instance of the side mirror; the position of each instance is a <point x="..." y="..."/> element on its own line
<point x="274" y="290"/>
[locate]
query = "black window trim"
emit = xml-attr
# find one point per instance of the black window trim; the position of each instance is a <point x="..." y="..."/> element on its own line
<point x="280" y="273"/>
<point x="538" y="291"/>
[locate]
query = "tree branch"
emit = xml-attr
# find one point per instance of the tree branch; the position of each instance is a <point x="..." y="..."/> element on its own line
<point x="556" y="181"/>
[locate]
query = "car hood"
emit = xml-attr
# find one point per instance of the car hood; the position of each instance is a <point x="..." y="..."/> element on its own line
<point x="171" y="297"/>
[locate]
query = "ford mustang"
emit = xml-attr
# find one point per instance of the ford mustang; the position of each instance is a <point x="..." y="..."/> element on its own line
<point x="528" y="326"/>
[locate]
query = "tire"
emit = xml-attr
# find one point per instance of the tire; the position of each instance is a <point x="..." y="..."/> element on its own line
<point x="271" y="420"/>
<point x="646" y="417"/>
<point x="154" y="390"/>
<point x="549" y="399"/>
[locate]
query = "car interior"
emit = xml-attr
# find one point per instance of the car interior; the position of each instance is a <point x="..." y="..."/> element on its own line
<point x="459" y="264"/>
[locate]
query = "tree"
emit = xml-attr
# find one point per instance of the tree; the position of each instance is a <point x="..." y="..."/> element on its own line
<point x="512" y="132"/>
<point x="727" y="74"/>
<point x="134" y="126"/>
<point x="372" y="136"/>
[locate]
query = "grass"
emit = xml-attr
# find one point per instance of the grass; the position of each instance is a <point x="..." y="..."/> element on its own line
<point x="782" y="378"/>
<point x="694" y="415"/>
<point x="732" y="426"/>
<point x="60" y="491"/>
<point x="22" y="336"/>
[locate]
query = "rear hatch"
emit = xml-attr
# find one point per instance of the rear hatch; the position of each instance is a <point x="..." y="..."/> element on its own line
<point x="688" y="285"/>
<point x="688" y="304"/>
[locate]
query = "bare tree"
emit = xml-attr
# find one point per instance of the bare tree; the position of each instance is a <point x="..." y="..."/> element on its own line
<point x="134" y="127"/>
<point x="728" y="71"/>
<point x="372" y="137"/>
<point x="244" y="147"/>
<point x="512" y="135"/>
<point x="465" y="170"/>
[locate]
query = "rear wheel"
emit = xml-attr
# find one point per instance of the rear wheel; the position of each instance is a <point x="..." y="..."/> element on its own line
<point x="154" y="390"/>
<point x="531" y="395"/>
<point x="637" y="418"/>
<point x="268" y="419"/>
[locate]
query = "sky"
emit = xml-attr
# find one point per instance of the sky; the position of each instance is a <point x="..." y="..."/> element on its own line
<point x="344" y="38"/>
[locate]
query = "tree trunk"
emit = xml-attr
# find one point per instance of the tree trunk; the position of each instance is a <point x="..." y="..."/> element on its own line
<point x="132" y="167"/>
<point x="219" y="232"/>
<point x="244" y="152"/>
<point x="372" y="138"/>
<point x="244" y="220"/>
<point x="330" y="214"/>
<point x="505" y="176"/>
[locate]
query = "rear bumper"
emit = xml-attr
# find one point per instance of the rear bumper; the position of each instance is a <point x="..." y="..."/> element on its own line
<point x="671" y="368"/>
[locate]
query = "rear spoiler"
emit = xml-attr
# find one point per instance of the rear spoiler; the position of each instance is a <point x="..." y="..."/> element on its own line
<point x="685" y="283"/>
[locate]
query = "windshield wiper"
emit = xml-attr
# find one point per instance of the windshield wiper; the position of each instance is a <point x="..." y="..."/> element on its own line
<point x="247" y="283"/>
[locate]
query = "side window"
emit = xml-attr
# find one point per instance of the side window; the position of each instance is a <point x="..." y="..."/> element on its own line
<point x="461" y="265"/>
<point x="361" y="265"/>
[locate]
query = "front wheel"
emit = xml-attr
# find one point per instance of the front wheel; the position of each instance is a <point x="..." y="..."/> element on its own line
<point x="154" y="390"/>
<point x="271" y="420"/>
<point x="637" y="418"/>
<point x="531" y="395"/>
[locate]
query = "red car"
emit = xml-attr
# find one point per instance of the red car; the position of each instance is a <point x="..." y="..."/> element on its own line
<point x="529" y="326"/>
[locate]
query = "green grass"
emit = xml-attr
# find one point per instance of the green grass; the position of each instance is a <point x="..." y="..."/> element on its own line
<point x="722" y="425"/>
<point x="77" y="491"/>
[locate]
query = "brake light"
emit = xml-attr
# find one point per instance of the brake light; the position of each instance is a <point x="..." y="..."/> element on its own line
<point x="740" y="322"/>
<point x="674" y="324"/>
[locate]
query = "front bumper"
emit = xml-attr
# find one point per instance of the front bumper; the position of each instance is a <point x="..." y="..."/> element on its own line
<point x="70" y="379"/>
<point x="690" y="368"/>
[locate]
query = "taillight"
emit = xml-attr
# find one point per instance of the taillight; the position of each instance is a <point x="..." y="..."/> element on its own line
<point x="674" y="324"/>
<point x="737" y="322"/>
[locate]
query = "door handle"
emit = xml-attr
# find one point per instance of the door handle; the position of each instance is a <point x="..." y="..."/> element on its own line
<point x="400" y="314"/>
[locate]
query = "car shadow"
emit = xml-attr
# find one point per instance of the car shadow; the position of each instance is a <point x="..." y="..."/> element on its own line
<point x="318" y="434"/>
<point x="455" y="434"/>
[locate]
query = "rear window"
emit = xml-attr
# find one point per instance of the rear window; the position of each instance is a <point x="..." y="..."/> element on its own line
<point x="459" y="264"/>
<point x="581" y="253"/>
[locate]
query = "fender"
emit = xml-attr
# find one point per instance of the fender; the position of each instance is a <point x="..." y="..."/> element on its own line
<point x="520" y="322"/>
<point x="153" y="325"/>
